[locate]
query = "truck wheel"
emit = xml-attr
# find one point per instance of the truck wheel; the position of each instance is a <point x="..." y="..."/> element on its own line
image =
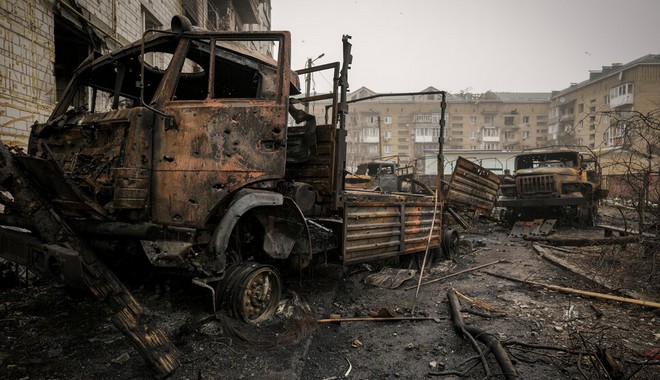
<point x="586" y="216"/>
<point x="450" y="240"/>
<point x="251" y="291"/>
<point x="511" y="216"/>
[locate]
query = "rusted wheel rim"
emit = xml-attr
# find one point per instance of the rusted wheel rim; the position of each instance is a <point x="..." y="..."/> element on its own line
<point x="257" y="294"/>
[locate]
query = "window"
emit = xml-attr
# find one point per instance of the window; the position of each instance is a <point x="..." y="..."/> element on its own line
<point x="606" y="99"/>
<point x="580" y="107"/>
<point x="421" y="118"/>
<point x="428" y="132"/>
<point x="387" y="120"/>
<point x="606" y="119"/>
<point x="457" y="117"/>
<point x="509" y="135"/>
<point x="387" y="135"/>
<point x="457" y="133"/>
<point x="579" y="127"/>
<point x="489" y="119"/>
<point x="525" y="134"/>
<point x="473" y="120"/>
<point x="491" y="132"/>
<point x="387" y="149"/>
<point x="526" y="119"/>
<point x="473" y="147"/>
<point x="489" y="146"/>
<point x="473" y="135"/>
<point x="372" y="120"/>
<point x="402" y="139"/>
<point x="403" y="132"/>
<point x="150" y="22"/>
<point x="509" y="120"/>
<point x="457" y="125"/>
<point x="403" y="118"/>
<point x="370" y="132"/>
<point x="373" y="149"/>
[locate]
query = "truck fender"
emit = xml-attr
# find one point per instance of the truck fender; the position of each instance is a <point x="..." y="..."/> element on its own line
<point x="245" y="200"/>
<point x="285" y="229"/>
<point x="284" y="224"/>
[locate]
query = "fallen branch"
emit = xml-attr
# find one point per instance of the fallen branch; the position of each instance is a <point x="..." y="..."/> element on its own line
<point x="545" y="251"/>
<point x="579" y="292"/>
<point x="457" y="273"/>
<point x="583" y="242"/>
<point x="489" y="340"/>
<point x="379" y="319"/>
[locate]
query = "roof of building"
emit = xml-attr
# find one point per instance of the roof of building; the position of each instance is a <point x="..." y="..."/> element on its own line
<point x="606" y="71"/>
<point x="523" y="96"/>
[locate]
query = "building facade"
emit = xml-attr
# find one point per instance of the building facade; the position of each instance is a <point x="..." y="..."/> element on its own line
<point x="406" y="126"/>
<point x="43" y="42"/>
<point x="592" y="113"/>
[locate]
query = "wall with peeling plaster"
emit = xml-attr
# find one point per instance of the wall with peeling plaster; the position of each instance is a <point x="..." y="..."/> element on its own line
<point x="27" y="47"/>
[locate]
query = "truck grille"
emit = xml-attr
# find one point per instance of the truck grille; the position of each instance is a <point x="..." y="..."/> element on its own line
<point x="537" y="184"/>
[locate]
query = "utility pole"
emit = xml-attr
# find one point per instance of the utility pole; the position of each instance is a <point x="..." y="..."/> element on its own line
<point x="308" y="79"/>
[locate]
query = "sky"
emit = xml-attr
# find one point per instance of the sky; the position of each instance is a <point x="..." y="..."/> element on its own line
<point x="469" y="45"/>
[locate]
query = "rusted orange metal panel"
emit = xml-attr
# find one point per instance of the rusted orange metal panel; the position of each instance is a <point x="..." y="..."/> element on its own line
<point x="472" y="186"/>
<point x="379" y="226"/>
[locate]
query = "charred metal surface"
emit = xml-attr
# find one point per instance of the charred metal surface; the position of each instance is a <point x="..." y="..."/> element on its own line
<point x="214" y="150"/>
<point x="379" y="226"/>
<point x="61" y="254"/>
<point x="473" y="187"/>
<point x="536" y="227"/>
<point x="554" y="182"/>
<point x="318" y="170"/>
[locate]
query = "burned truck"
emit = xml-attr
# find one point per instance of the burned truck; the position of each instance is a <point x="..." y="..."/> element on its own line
<point x="178" y="148"/>
<point x="553" y="182"/>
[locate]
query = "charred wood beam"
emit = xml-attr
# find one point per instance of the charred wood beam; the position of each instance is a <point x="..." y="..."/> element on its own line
<point x="578" y="291"/>
<point x="584" y="242"/>
<point x="457" y="218"/>
<point x="16" y="221"/>
<point x="489" y="340"/>
<point x="130" y="317"/>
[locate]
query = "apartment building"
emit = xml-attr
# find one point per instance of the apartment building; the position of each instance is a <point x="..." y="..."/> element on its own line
<point x="592" y="112"/>
<point x="42" y="43"/>
<point x="409" y="125"/>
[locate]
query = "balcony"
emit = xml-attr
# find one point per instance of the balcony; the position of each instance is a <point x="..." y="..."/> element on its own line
<point x="485" y="138"/>
<point x="425" y="139"/>
<point x="567" y="117"/>
<point x="621" y="100"/>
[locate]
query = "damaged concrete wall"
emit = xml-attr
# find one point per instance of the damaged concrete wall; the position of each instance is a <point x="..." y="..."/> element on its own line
<point x="27" y="46"/>
<point x="32" y="75"/>
<point x="26" y="79"/>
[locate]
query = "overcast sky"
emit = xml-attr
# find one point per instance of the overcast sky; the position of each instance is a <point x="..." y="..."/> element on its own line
<point x="473" y="45"/>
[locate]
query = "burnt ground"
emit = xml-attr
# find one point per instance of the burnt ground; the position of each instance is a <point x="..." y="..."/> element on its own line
<point x="51" y="332"/>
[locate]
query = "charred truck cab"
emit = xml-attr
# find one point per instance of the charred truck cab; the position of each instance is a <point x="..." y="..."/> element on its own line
<point x="177" y="147"/>
<point x="553" y="182"/>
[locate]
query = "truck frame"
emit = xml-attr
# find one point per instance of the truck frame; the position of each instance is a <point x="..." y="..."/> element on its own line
<point x="177" y="148"/>
<point x="553" y="182"/>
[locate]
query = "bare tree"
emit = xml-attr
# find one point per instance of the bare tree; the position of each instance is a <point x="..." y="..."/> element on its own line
<point x="638" y="162"/>
<point x="638" y="135"/>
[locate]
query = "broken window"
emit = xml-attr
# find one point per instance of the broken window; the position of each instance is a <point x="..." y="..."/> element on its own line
<point x="561" y="159"/>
